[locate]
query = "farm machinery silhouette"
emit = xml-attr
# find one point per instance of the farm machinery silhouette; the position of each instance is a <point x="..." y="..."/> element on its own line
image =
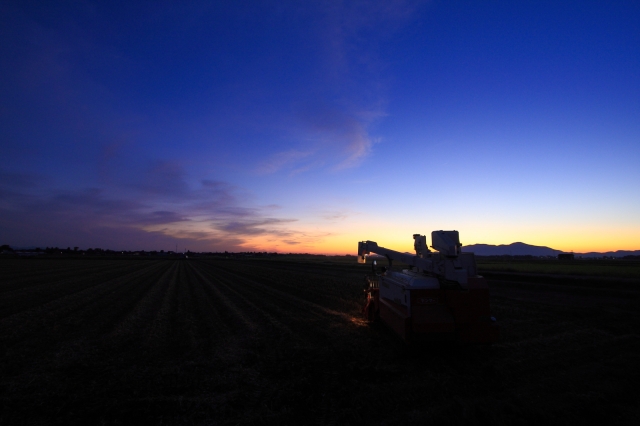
<point x="439" y="297"/>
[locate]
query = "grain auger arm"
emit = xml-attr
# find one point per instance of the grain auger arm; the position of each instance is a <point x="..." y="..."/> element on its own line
<point x="448" y="263"/>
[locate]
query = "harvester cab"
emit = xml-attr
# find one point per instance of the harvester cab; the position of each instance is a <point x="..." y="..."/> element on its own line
<point x="439" y="296"/>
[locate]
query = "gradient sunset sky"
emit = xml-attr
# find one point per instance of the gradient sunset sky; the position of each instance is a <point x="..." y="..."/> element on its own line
<point x="307" y="126"/>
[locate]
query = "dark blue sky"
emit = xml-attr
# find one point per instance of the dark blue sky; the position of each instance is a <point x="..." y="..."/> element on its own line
<point x="307" y="126"/>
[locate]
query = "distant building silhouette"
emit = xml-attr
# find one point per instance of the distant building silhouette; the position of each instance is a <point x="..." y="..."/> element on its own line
<point x="565" y="256"/>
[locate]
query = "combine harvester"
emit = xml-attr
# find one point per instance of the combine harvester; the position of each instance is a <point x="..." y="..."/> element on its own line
<point x="440" y="296"/>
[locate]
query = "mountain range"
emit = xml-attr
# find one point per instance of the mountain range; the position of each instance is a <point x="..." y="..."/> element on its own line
<point x="522" y="249"/>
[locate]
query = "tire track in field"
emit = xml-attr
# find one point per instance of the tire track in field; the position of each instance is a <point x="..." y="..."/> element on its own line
<point x="196" y="324"/>
<point x="557" y="356"/>
<point x="322" y="287"/>
<point x="339" y="290"/>
<point x="106" y="313"/>
<point x="157" y="335"/>
<point x="83" y="337"/>
<point x="564" y="338"/>
<point x="206" y="326"/>
<point x="289" y="310"/>
<point x="292" y="299"/>
<point x="286" y="276"/>
<point x="182" y="333"/>
<point x="234" y="316"/>
<point x="183" y="326"/>
<point x="139" y="322"/>
<point x="211" y="325"/>
<point x="46" y="277"/>
<point x="66" y="334"/>
<point x="26" y="270"/>
<point x="64" y="315"/>
<point x="216" y="290"/>
<point x="24" y="299"/>
<point x="283" y="310"/>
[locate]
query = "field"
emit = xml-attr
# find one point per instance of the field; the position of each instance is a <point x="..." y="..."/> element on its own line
<point x="279" y="340"/>
<point x="588" y="267"/>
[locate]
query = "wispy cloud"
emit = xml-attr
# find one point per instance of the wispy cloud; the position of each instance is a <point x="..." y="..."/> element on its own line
<point x="254" y="226"/>
<point x="166" y="178"/>
<point x="280" y="160"/>
<point x="328" y="137"/>
<point x="15" y="187"/>
<point x="331" y="127"/>
<point x="208" y="215"/>
<point x="334" y="215"/>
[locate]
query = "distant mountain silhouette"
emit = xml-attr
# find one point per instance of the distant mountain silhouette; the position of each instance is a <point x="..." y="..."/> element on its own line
<point x="514" y="249"/>
<point x="522" y="249"/>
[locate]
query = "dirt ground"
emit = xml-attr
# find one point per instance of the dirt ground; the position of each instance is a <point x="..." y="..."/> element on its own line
<point x="264" y="341"/>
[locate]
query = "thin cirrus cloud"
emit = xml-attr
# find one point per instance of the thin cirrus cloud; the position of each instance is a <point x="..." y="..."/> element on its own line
<point x="343" y="137"/>
<point x="333" y="116"/>
<point x="327" y="138"/>
<point x="283" y="160"/>
<point x="254" y="226"/>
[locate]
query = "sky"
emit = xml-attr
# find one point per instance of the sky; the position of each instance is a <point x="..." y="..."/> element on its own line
<point x="307" y="126"/>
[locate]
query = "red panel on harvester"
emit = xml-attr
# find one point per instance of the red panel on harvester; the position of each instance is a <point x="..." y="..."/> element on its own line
<point x="471" y="304"/>
<point x="432" y="319"/>
<point x="395" y="316"/>
<point x="429" y="314"/>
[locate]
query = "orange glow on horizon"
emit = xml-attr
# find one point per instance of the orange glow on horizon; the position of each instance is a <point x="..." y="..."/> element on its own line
<point x="342" y="239"/>
<point x="578" y="242"/>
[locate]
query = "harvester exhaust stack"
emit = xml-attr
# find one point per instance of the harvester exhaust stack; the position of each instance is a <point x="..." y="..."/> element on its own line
<point x="420" y="245"/>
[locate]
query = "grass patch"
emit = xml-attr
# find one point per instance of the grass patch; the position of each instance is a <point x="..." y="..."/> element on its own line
<point x="598" y="268"/>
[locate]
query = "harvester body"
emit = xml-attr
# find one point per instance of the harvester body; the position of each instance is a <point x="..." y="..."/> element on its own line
<point x="440" y="296"/>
